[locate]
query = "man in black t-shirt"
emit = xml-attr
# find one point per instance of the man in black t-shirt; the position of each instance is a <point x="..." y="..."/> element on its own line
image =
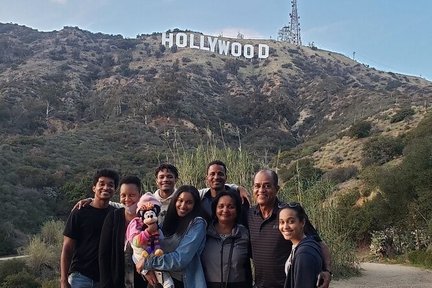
<point x="79" y="258"/>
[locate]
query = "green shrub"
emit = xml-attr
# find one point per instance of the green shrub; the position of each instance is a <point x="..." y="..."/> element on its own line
<point x="52" y="232"/>
<point x="6" y="238"/>
<point x="360" y="129"/>
<point x="300" y="174"/>
<point x="287" y="65"/>
<point x="402" y="114"/>
<point x="421" y="257"/>
<point x="10" y="267"/>
<point x="382" y="149"/>
<point x="341" y="174"/>
<point x="50" y="283"/>
<point x="43" y="259"/>
<point x="21" y="280"/>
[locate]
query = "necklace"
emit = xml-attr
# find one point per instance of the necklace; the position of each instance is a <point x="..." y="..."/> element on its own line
<point x="223" y="231"/>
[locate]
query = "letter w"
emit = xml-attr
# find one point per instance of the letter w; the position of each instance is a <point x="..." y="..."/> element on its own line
<point x="223" y="46"/>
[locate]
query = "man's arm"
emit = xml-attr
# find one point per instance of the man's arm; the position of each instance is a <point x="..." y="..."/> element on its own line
<point x="88" y="201"/>
<point x="65" y="260"/>
<point x="244" y="194"/>
<point x="326" y="275"/>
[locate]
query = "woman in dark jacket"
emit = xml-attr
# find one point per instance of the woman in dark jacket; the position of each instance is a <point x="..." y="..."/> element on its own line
<point x="115" y="264"/>
<point x="226" y="256"/>
<point x="305" y="261"/>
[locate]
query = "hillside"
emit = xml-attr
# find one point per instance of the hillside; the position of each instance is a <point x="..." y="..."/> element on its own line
<point x="72" y="77"/>
<point x="72" y="101"/>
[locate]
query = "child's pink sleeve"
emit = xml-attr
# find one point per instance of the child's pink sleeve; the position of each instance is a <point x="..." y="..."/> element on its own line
<point x="134" y="228"/>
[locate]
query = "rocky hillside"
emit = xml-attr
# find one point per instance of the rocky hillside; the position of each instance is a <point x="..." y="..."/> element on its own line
<point x="60" y="81"/>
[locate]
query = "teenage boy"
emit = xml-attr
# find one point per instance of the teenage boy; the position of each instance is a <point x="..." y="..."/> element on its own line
<point x="166" y="178"/>
<point x="79" y="257"/>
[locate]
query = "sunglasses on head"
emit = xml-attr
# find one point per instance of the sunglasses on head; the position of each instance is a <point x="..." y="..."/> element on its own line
<point x="289" y="205"/>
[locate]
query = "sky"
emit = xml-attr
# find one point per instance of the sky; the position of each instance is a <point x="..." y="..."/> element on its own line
<point x="389" y="35"/>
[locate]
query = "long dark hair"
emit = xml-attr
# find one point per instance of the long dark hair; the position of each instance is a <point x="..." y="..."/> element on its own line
<point x="237" y="203"/>
<point x="175" y="224"/>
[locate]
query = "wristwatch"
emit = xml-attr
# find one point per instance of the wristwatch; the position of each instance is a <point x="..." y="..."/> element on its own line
<point x="326" y="270"/>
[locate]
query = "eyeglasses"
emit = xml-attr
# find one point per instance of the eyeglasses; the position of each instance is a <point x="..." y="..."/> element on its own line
<point x="289" y="205"/>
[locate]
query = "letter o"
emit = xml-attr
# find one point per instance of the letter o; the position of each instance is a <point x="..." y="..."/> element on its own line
<point x="248" y="51"/>
<point x="181" y="40"/>
<point x="236" y="49"/>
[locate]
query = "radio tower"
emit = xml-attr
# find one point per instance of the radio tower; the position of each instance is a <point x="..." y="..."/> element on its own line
<point x="291" y="33"/>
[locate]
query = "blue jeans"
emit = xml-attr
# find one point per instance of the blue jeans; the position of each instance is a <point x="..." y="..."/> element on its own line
<point x="78" y="280"/>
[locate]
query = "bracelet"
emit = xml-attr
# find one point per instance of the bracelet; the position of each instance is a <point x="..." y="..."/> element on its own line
<point x="326" y="270"/>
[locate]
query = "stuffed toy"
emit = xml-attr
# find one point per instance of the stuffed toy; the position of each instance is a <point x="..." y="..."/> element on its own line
<point x="143" y="233"/>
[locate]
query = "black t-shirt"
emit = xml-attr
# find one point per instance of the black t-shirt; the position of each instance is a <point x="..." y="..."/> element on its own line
<point x="84" y="226"/>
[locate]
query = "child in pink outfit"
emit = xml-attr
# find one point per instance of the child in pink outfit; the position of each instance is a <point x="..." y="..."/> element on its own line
<point x="143" y="233"/>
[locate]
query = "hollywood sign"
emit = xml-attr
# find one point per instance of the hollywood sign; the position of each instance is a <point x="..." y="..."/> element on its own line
<point x="214" y="44"/>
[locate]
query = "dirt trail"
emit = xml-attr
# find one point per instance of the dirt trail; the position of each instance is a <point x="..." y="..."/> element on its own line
<point x="387" y="275"/>
<point x="12" y="257"/>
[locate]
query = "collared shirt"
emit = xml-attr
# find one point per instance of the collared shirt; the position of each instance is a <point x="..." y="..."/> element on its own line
<point x="269" y="249"/>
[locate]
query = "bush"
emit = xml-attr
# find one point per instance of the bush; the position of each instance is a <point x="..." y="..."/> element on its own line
<point x="6" y="239"/>
<point x="382" y="149"/>
<point x="186" y="60"/>
<point x="173" y="48"/>
<point x="402" y="114"/>
<point x="340" y="175"/>
<point x="50" y="283"/>
<point x="421" y="257"/>
<point x="21" y="280"/>
<point x="44" y="249"/>
<point x="52" y="232"/>
<point x="301" y="171"/>
<point x="42" y="259"/>
<point x="391" y="242"/>
<point x="360" y="129"/>
<point x="10" y="267"/>
<point x="232" y="66"/>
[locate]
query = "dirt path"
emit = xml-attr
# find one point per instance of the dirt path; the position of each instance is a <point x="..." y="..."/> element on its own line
<point x="12" y="257"/>
<point x="386" y="275"/>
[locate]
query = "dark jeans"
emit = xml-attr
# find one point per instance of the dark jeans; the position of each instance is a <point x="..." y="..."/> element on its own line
<point x="178" y="284"/>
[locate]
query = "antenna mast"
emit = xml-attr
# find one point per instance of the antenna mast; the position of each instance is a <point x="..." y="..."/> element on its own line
<point x="291" y="33"/>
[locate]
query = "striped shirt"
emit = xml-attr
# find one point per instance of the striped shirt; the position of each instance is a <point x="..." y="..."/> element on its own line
<point x="269" y="249"/>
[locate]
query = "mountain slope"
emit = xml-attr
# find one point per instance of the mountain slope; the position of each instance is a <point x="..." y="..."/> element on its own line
<point x="57" y="81"/>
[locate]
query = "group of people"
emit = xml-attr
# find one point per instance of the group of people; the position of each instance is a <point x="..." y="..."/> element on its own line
<point x="209" y="236"/>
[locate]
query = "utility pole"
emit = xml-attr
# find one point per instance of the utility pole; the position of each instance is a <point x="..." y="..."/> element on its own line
<point x="291" y="32"/>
